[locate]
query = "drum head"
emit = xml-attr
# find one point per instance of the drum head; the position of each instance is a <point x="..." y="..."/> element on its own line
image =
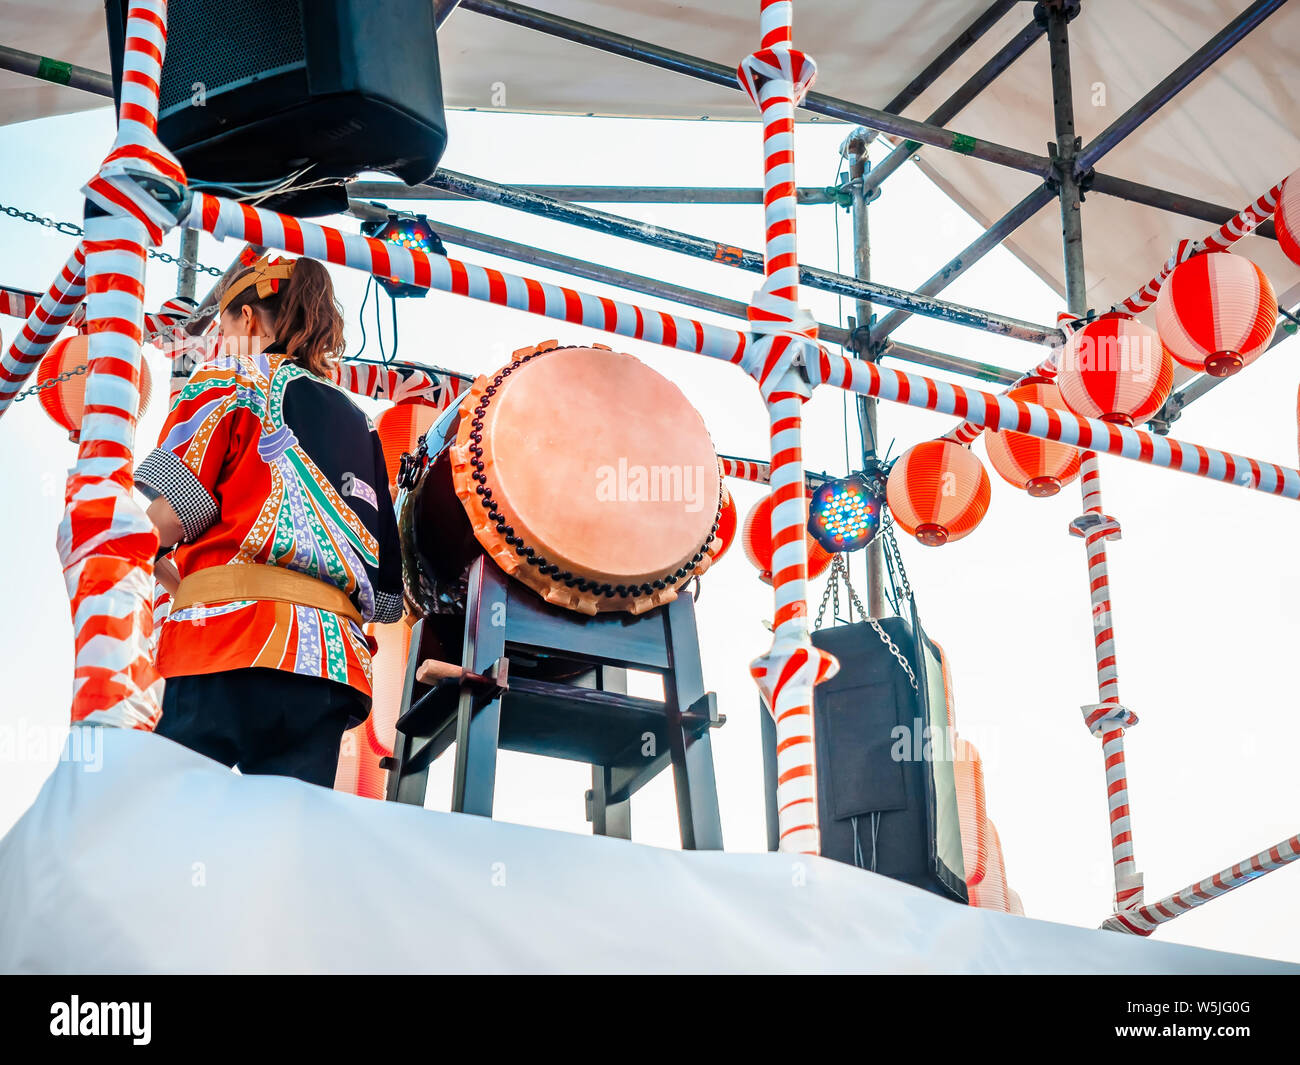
<point x="588" y="476"/>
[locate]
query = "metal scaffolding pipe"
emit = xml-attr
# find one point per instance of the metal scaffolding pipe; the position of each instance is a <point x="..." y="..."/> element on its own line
<point x="1177" y="80"/>
<point x="1066" y="148"/>
<point x="951" y="107"/>
<point x="396" y="190"/>
<point x="713" y="251"/>
<point x="1175" y="203"/>
<point x="53" y="70"/>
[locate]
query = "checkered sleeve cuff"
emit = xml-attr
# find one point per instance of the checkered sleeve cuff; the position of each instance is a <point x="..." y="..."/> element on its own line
<point x="163" y="474"/>
<point x="388" y="607"/>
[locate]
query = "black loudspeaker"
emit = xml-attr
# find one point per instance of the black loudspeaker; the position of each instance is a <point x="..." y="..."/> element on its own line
<point x="256" y="91"/>
<point x="886" y="795"/>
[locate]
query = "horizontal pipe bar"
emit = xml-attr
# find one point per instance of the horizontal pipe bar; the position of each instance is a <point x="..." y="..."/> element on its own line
<point x="396" y="190"/>
<point x="956" y="103"/>
<point x="53" y="70"/>
<point x="725" y="76"/>
<point x="1172" y="84"/>
<point x="939" y="360"/>
<point x="713" y="251"/>
<point x="1175" y="203"/>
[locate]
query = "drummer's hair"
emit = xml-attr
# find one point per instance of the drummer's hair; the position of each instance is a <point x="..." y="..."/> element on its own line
<point x="304" y="315"/>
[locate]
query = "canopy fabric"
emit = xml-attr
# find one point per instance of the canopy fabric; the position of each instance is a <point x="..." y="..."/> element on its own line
<point x="140" y="856"/>
<point x="1226" y="138"/>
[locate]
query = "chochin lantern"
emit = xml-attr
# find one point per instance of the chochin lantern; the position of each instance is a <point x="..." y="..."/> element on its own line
<point x="400" y="428"/>
<point x="1039" y="467"/>
<point x="728" y="522"/>
<point x="1116" y="369"/>
<point x="758" y="542"/>
<point x="65" y="402"/>
<point x="938" y="492"/>
<point x="1216" y="312"/>
<point x="1286" y="218"/>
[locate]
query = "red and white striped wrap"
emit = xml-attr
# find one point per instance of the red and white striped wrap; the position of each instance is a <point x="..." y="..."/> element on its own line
<point x="1108" y="718"/>
<point x="777" y="78"/>
<point x="44" y="323"/>
<point x="17" y="302"/>
<point x="968" y="432"/>
<point x="401" y="384"/>
<point x="1242" y="224"/>
<point x="1143" y="920"/>
<point x="999" y="412"/>
<point x="746" y="469"/>
<point x="106" y="542"/>
<point x="225" y="218"/>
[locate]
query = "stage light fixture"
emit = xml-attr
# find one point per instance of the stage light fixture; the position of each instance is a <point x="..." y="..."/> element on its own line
<point x="845" y="513"/>
<point x="410" y="231"/>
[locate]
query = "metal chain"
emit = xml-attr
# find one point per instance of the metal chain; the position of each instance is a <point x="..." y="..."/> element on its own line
<point x="891" y="541"/>
<point x="67" y="375"/>
<point x="840" y="572"/>
<point x="71" y="229"/>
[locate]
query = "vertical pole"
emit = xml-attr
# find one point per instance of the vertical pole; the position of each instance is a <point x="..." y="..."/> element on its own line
<point x="1107" y="717"/>
<point x="777" y="77"/>
<point x="858" y="145"/>
<point x="1059" y="13"/>
<point x="187" y="279"/>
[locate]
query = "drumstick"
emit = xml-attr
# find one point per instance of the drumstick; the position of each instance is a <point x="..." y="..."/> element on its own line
<point x="432" y="671"/>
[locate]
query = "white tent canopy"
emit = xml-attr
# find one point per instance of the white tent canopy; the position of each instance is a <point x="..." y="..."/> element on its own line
<point x="1224" y="139"/>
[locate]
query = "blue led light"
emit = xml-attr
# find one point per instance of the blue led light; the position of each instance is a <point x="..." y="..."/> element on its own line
<point x="844" y="515"/>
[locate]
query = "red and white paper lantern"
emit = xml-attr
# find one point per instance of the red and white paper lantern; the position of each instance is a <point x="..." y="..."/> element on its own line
<point x="728" y="525"/>
<point x="1216" y="312"/>
<point x="1116" y="369"/>
<point x="1039" y="467"/>
<point x="938" y="492"/>
<point x="1286" y="218"/>
<point x="757" y="538"/>
<point x="65" y="402"/>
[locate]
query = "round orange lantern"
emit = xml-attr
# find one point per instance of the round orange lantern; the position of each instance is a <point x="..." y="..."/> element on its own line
<point x="1039" y="467"/>
<point x="758" y="542"/>
<point x="1116" y="369"/>
<point x="1286" y="218"/>
<point x="1216" y="312"/>
<point x="728" y="521"/>
<point x="400" y="428"/>
<point x="938" y="492"/>
<point x="65" y="402"/>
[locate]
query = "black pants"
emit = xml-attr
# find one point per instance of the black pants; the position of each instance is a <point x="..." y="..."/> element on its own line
<point x="263" y="720"/>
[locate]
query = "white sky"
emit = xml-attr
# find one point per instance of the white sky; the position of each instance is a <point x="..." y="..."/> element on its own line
<point x="1204" y="582"/>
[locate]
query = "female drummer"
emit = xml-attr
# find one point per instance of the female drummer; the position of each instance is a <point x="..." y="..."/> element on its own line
<point x="273" y="483"/>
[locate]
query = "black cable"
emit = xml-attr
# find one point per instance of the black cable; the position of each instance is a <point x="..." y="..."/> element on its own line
<point x="393" y="300"/>
<point x="379" y="331"/>
<point x="362" y="316"/>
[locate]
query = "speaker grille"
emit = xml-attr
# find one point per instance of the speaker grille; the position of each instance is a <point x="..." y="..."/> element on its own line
<point x="227" y="44"/>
